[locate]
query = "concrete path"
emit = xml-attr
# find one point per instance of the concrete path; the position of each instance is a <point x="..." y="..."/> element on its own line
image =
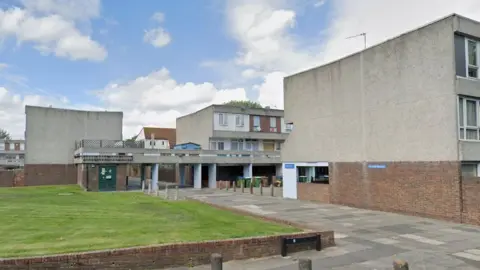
<point x="365" y="239"/>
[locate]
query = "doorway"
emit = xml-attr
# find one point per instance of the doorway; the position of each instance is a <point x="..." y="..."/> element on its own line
<point x="107" y="178"/>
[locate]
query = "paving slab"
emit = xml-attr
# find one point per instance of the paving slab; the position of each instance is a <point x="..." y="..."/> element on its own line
<point x="365" y="239"/>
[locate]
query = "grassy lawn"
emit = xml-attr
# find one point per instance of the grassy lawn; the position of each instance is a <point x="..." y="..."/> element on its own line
<point x="50" y="220"/>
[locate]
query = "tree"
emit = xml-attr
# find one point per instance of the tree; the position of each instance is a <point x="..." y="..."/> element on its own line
<point x="4" y="135"/>
<point x="244" y="104"/>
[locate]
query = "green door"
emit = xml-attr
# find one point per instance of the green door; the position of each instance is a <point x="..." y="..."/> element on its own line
<point x="107" y="178"/>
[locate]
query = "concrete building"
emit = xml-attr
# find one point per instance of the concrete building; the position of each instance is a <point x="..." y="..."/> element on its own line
<point x="12" y="153"/>
<point x="232" y="128"/>
<point x="157" y="138"/>
<point x="394" y="127"/>
<point x="51" y="135"/>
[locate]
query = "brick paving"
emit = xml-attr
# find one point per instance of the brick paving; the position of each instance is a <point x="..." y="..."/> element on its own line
<point x="365" y="239"/>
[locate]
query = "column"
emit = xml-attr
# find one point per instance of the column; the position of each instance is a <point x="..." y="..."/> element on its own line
<point x="289" y="180"/>
<point x="197" y="176"/>
<point x="247" y="171"/>
<point x="142" y="173"/>
<point x="278" y="170"/>
<point x="212" y="176"/>
<point x="181" y="172"/>
<point x="155" y="177"/>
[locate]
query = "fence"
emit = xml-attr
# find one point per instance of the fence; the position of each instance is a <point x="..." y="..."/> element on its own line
<point x="108" y="144"/>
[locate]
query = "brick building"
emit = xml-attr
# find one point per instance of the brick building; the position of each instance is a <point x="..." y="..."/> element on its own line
<point x="394" y="127"/>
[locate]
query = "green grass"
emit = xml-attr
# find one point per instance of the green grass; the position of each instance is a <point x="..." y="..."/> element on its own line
<point x="51" y="220"/>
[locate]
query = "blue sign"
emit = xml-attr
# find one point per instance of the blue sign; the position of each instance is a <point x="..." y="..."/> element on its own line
<point x="377" y="166"/>
<point x="289" y="166"/>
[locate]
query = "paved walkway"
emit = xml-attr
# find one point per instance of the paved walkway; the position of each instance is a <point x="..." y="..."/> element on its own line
<point x="365" y="239"/>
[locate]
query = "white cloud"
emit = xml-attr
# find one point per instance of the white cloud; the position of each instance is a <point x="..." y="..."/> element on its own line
<point x="49" y="34"/>
<point x="69" y="9"/>
<point x="319" y="3"/>
<point x="158" y="37"/>
<point x="157" y="99"/>
<point x="269" y="90"/>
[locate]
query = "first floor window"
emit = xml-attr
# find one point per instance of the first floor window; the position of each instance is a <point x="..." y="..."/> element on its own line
<point x="237" y="145"/>
<point x="468" y="109"/>
<point x="216" y="145"/>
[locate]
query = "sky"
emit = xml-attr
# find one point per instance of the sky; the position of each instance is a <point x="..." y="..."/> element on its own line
<point x="158" y="60"/>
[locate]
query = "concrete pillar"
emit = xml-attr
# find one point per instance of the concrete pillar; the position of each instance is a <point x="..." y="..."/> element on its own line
<point x="155" y="168"/>
<point x="181" y="171"/>
<point x="197" y="176"/>
<point x="247" y="171"/>
<point x="289" y="180"/>
<point x="278" y="170"/>
<point x="212" y="176"/>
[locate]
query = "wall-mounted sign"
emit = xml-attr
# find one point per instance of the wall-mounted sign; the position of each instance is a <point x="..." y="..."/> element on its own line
<point x="289" y="166"/>
<point x="377" y="166"/>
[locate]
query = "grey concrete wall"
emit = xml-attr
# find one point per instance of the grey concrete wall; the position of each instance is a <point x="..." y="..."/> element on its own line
<point x="393" y="102"/>
<point x="238" y="110"/>
<point x="51" y="133"/>
<point x="196" y="127"/>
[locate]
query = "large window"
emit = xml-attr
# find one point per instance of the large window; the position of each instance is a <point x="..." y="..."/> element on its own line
<point x="237" y="145"/>
<point x="273" y="124"/>
<point x="472" y="48"/>
<point x="239" y="120"/>
<point x="222" y="119"/>
<point x="468" y="118"/>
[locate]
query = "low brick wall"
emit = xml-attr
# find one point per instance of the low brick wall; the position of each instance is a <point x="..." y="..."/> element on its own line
<point x="471" y="200"/>
<point x="163" y="256"/>
<point x="313" y="192"/>
<point x="13" y="178"/>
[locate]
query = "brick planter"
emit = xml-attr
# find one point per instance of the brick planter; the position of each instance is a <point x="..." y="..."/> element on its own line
<point x="169" y="255"/>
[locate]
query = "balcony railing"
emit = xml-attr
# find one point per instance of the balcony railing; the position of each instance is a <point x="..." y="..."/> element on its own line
<point x="108" y="144"/>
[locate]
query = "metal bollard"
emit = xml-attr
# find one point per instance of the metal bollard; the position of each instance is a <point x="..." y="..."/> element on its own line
<point x="176" y="193"/>
<point x="261" y="189"/>
<point x="251" y="187"/>
<point x="216" y="261"/>
<point x="143" y="186"/>
<point x="228" y="185"/>
<point x="304" y="264"/>
<point x="235" y="186"/>
<point x="400" y="265"/>
<point x="242" y="185"/>
<point x="272" y="190"/>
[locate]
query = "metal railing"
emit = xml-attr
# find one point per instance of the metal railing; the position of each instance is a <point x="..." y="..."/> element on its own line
<point x="108" y="144"/>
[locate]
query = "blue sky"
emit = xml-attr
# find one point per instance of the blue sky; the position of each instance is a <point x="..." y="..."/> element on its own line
<point x="161" y="59"/>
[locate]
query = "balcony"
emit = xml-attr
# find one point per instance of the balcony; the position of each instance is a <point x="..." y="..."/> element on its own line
<point x="108" y="151"/>
<point x="11" y="162"/>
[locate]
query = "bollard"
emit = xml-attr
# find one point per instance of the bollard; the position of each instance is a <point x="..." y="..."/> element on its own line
<point x="228" y="185"/>
<point x="143" y="186"/>
<point x="242" y="185"/>
<point x="166" y="192"/>
<point x="261" y="189"/>
<point x="272" y="191"/>
<point x="235" y="186"/>
<point x="176" y="193"/>
<point x="251" y="187"/>
<point x="400" y="265"/>
<point x="216" y="261"/>
<point x="304" y="264"/>
<point x="149" y="187"/>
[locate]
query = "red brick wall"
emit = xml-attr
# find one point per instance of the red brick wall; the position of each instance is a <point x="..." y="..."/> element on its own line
<point x="471" y="200"/>
<point x="121" y="177"/>
<point x="430" y="189"/>
<point x="13" y="178"/>
<point x="265" y="123"/>
<point x="50" y="174"/>
<point x="170" y="255"/>
<point x="313" y="192"/>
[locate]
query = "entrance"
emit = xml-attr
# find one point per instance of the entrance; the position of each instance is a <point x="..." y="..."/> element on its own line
<point x="107" y="178"/>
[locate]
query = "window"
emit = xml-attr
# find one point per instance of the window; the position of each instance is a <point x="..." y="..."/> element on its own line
<point x="239" y="120"/>
<point x="273" y="124"/>
<point x="472" y="58"/>
<point x="469" y="169"/>
<point x="2" y="146"/>
<point x="222" y="119"/>
<point x="237" y="145"/>
<point x="251" y="145"/>
<point x="468" y="119"/>
<point x="215" y="145"/>
<point x="256" y="121"/>
<point x="278" y="146"/>
<point x="288" y="127"/>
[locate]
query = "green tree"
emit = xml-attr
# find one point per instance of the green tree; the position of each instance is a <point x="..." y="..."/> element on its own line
<point x="4" y="135"/>
<point x="244" y="104"/>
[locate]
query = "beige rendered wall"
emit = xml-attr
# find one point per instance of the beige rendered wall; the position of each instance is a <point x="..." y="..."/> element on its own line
<point x="393" y="102"/>
<point x="196" y="127"/>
